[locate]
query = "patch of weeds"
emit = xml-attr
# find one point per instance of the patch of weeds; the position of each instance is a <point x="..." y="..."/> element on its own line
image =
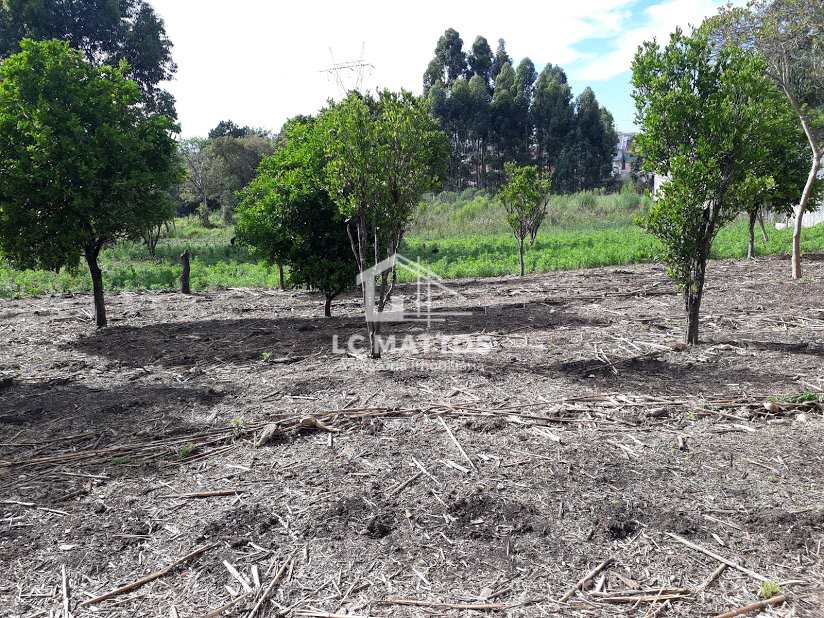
<point x="120" y="461"/>
<point x="769" y="590"/>
<point x="265" y="356"/>
<point x="186" y="451"/>
<point x="802" y="397"/>
<point x="238" y="424"/>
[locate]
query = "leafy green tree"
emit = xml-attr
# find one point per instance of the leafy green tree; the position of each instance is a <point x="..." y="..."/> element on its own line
<point x="384" y="154"/>
<point x="789" y="36"/>
<point x="449" y="51"/>
<point x="287" y="215"/>
<point x="587" y="157"/>
<point x="525" y="196"/>
<point x="84" y="163"/>
<point x="784" y="164"/>
<point x="107" y="31"/>
<point x="227" y="128"/>
<point x="238" y="161"/>
<point x="704" y="116"/>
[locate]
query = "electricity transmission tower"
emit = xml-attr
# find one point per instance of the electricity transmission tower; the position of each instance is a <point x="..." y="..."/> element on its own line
<point x="349" y="76"/>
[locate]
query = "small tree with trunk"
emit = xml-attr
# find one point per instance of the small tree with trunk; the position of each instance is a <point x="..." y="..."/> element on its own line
<point x="789" y="36"/>
<point x="525" y="196"/>
<point x="704" y="112"/>
<point x="286" y="215"/>
<point x="83" y="162"/>
<point x="384" y="154"/>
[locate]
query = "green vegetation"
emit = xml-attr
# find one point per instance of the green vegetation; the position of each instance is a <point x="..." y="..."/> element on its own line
<point x="769" y="590"/>
<point x="83" y="163"/>
<point x="456" y="235"/>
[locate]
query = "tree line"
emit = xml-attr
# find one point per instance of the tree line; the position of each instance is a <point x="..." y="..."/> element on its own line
<point x="494" y="111"/>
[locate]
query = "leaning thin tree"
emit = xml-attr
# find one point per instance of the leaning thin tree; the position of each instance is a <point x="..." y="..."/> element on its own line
<point x="789" y="36"/>
<point x="82" y="161"/>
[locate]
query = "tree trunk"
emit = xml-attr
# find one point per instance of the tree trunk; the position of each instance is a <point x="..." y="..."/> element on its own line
<point x="763" y="227"/>
<point x="327" y="308"/>
<point x="692" y="302"/>
<point x="521" y="255"/>
<point x="799" y="217"/>
<point x="751" y="236"/>
<point x="92" y="254"/>
<point x="186" y="269"/>
<point x="281" y="281"/>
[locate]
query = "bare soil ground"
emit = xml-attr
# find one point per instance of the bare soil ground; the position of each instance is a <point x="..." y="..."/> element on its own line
<point x="581" y="435"/>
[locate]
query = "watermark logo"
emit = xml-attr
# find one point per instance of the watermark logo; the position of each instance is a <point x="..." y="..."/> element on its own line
<point x="415" y="302"/>
<point x="410" y="308"/>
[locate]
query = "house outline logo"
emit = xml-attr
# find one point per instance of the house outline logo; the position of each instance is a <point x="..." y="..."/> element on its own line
<point x="426" y="283"/>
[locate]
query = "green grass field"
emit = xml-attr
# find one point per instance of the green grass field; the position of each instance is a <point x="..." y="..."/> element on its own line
<point x="455" y="235"/>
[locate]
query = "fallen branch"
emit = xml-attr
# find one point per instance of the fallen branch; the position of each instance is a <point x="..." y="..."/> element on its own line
<point x="718" y="557"/>
<point x="148" y="578"/>
<point x="753" y="607"/>
<point x="478" y="607"/>
<point x="580" y="584"/>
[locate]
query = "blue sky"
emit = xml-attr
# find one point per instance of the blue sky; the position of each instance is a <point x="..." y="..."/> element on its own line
<point x="261" y="62"/>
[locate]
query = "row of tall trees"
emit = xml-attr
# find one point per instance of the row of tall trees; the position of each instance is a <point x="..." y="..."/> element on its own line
<point x="495" y="111"/>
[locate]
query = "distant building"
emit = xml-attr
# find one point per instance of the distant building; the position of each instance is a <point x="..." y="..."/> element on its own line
<point x="623" y="160"/>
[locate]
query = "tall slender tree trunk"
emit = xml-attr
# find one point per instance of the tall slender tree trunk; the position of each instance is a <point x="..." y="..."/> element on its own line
<point x="521" y="255"/>
<point x="815" y="164"/>
<point x="281" y="282"/>
<point x="327" y="307"/>
<point x="92" y="253"/>
<point x="751" y="236"/>
<point x="799" y="216"/>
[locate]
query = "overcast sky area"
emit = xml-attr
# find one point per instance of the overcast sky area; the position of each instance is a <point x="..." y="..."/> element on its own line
<point x="259" y="62"/>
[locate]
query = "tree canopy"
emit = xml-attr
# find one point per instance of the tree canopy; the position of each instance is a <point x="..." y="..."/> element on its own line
<point x="82" y="161"/>
<point x="707" y="114"/>
<point x="106" y="31"/>
<point x="287" y="215"/>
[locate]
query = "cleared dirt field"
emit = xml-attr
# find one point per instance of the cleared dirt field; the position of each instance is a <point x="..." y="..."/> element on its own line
<point x="433" y="483"/>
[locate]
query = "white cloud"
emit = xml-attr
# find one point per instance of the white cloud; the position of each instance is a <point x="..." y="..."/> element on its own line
<point x="660" y="20"/>
<point x="258" y="62"/>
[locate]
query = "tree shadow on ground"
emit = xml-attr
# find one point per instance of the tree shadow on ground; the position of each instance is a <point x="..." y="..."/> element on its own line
<point x="239" y="341"/>
<point x="681" y="373"/>
<point x="48" y="407"/>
